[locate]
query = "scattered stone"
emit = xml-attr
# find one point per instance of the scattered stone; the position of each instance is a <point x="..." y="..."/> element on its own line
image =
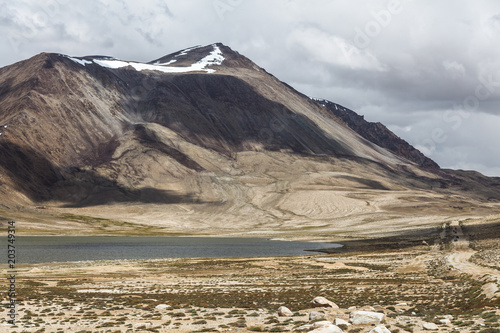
<point x="325" y="327"/>
<point x="339" y="321"/>
<point x="316" y="315"/>
<point x="323" y="302"/>
<point x="445" y="321"/>
<point x="306" y="327"/>
<point x="143" y="324"/>
<point x="430" y="326"/>
<point x="352" y="308"/>
<point x="320" y="324"/>
<point x="402" y="304"/>
<point x="283" y="311"/>
<point x="162" y="306"/>
<point x="365" y="317"/>
<point x="380" y="329"/>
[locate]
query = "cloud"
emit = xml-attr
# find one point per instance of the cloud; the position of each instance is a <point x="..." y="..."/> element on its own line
<point x="409" y="66"/>
<point x="455" y="70"/>
<point x="324" y="48"/>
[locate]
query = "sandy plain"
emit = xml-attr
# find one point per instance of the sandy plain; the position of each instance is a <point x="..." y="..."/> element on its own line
<point x="447" y="280"/>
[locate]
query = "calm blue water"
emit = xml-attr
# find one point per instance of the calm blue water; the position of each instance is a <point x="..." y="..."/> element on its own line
<point x="38" y="249"/>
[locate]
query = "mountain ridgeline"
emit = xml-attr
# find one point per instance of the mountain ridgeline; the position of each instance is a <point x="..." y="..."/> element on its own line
<point x="378" y="133"/>
<point x="203" y="133"/>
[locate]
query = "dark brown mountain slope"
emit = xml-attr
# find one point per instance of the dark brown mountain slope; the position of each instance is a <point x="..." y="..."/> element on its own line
<point x="202" y="140"/>
<point x="378" y="133"/>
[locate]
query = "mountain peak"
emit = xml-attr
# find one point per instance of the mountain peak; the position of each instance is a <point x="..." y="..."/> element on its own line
<point x="212" y="55"/>
<point x="206" y="59"/>
<point x="196" y="57"/>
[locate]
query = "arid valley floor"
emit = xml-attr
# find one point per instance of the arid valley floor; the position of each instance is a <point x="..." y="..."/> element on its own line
<point x="447" y="281"/>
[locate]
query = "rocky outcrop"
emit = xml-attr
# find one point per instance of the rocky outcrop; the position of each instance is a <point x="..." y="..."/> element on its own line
<point x="380" y="135"/>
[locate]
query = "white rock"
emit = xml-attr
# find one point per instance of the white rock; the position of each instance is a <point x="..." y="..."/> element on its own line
<point x="323" y="323"/>
<point x="304" y="328"/>
<point x="352" y="308"/>
<point x="327" y="329"/>
<point x="339" y="322"/>
<point x="430" y="326"/>
<point x="365" y="317"/>
<point x="283" y="311"/>
<point x="402" y="304"/>
<point x="323" y="302"/>
<point x="445" y="321"/>
<point x="380" y="329"/>
<point x="162" y="306"/>
<point x="316" y="315"/>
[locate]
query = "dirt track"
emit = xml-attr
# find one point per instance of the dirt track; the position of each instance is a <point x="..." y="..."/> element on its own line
<point x="460" y="260"/>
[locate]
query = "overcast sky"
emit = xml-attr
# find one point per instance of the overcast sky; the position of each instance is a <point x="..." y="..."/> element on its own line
<point x="429" y="70"/>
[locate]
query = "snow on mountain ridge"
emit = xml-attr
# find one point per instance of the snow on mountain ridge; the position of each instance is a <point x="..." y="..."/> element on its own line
<point x="214" y="58"/>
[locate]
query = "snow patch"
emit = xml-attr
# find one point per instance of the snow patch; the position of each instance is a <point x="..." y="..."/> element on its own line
<point x="165" y="63"/>
<point x="185" y="52"/>
<point x="214" y="58"/>
<point x="82" y="62"/>
<point x="111" y="63"/>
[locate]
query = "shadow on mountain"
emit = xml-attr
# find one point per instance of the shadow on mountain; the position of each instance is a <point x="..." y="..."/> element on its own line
<point x="222" y="113"/>
<point x="41" y="180"/>
<point x="31" y="173"/>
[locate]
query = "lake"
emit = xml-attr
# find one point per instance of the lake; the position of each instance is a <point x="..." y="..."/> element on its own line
<point x="39" y="249"/>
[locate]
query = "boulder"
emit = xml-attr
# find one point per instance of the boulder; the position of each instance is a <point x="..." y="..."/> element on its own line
<point x="304" y="328"/>
<point x="339" y="322"/>
<point x="324" y="303"/>
<point x="365" y="317"/>
<point x="430" y="326"/>
<point x="162" y="306"/>
<point x="329" y="328"/>
<point x="380" y="329"/>
<point x="316" y="315"/>
<point x="283" y="311"/>
<point x="321" y="324"/>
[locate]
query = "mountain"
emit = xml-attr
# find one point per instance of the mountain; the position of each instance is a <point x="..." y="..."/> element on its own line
<point x="379" y="134"/>
<point x="205" y="141"/>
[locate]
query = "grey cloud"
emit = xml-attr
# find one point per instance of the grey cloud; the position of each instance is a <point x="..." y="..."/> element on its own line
<point x="418" y="65"/>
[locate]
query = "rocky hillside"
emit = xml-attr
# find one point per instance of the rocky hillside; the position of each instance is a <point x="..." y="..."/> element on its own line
<point x="200" y="140"/>
<point x="379" y="134"/>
